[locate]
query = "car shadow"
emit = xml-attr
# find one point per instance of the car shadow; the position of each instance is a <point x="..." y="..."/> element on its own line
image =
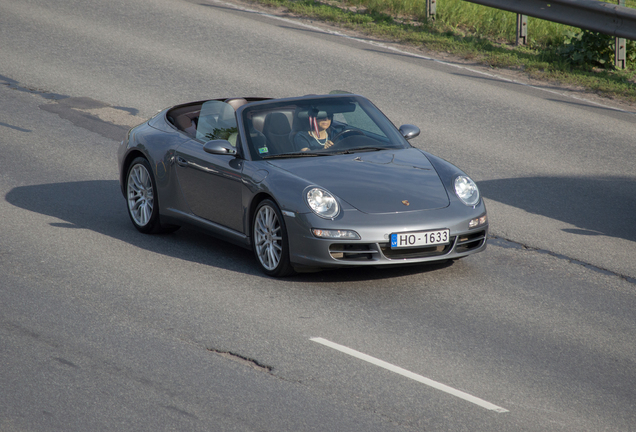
<point x="370" y="273"/>
<point x="99" y="206"/>
<point x="594" y="205"/>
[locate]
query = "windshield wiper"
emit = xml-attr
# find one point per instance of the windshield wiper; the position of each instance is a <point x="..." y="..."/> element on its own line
<point x="294" y="155"/>
<point x="361" y="149"/>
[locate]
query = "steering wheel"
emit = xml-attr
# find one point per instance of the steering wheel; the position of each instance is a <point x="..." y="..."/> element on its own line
<point x="346" y="134"/>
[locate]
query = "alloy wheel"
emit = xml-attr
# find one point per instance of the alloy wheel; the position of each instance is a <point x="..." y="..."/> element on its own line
<point x="268" y="237"/>
<point x="140" y="195"/>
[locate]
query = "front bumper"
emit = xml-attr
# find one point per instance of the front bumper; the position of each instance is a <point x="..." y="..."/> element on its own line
<point x="374" y="246"/>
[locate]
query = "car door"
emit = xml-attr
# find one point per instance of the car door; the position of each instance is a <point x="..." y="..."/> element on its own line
<point x="212" y="183"/>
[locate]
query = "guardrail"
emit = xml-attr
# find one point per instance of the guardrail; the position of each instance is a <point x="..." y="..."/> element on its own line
<point x="611" y="19"/>
<point x="606" y="18"/>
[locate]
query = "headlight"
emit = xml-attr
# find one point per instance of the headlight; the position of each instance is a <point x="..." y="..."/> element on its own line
<point x="322" y="203"/>
<point x="466" y="190"/>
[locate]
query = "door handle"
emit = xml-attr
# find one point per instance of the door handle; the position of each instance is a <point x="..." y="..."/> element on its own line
<point x="182" y="162"/>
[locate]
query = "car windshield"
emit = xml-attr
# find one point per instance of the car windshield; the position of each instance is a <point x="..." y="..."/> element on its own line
<point x="318" y="126"/>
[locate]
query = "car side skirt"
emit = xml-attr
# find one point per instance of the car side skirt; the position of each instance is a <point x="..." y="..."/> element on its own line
<point x="224" y="233"/>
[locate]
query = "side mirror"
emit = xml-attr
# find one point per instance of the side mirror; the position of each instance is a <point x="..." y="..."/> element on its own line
<point x="409" y="131"/>
<point x="219" y="147"/>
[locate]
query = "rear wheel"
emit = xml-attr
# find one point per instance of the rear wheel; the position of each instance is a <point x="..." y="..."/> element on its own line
<point x="141" y="198"/>
<point x="271" y="246"/>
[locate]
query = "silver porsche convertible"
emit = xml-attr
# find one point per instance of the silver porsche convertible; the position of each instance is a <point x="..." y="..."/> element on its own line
<point x="307" y="183"/>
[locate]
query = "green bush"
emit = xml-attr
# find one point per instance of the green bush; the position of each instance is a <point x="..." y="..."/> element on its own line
<point x="587" y="49"/>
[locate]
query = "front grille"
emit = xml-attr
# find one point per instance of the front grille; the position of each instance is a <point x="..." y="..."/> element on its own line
<point x="470" y="241"/>
<point x="352" y="252"/>
<point x="423" y="252"/>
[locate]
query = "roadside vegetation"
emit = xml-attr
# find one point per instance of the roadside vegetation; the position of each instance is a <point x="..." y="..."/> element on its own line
<point x="555" y="52"/>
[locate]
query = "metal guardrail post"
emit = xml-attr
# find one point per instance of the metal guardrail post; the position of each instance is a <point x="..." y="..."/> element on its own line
<point x="431" y="9"/>
<point x="620" y="54"/>
<point x="522" y="29"/>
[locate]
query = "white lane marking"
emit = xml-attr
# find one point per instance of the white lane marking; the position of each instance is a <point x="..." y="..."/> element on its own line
<point x="399" y="51"/>
<point x="429" y="382"/>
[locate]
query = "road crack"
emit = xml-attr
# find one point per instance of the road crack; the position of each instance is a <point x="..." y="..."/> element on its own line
<point x="245" y="361"/>
<point x="511" y="244"/>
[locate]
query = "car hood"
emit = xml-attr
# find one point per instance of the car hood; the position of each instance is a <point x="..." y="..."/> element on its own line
<point x="385" y="181"/>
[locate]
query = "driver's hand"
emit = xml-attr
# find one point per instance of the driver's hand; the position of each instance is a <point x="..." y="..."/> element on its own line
<point x="328" y="144"/>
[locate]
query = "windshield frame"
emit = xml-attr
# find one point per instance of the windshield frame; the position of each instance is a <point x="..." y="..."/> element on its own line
<point x="391" y="139"/>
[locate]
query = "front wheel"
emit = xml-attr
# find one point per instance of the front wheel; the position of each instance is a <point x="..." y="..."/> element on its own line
<point x="271" y="246"/>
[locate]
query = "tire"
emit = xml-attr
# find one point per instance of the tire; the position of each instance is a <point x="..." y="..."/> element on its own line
<point x="142" y="200"/>
<point x="269" y="240"/>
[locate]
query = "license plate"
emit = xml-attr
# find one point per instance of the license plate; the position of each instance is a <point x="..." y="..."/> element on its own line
<point x="419" y="239"/>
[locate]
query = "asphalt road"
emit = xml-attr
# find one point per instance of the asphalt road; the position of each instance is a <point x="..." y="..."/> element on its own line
<point x="102" y="328"/>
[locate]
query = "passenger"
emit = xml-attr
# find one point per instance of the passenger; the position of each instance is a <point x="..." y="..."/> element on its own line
<point x="320" y="134"/>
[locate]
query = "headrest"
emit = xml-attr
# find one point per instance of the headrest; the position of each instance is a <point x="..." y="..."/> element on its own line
<point x="276" y="123"/>
<point x="236" y="102"/>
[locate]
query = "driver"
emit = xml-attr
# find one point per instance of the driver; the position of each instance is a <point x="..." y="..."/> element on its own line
<point x="319" y="135"/>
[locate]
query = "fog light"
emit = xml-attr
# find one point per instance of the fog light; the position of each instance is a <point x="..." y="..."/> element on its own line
<point x="477" y="222"/>
<point x="336" y="234"/>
